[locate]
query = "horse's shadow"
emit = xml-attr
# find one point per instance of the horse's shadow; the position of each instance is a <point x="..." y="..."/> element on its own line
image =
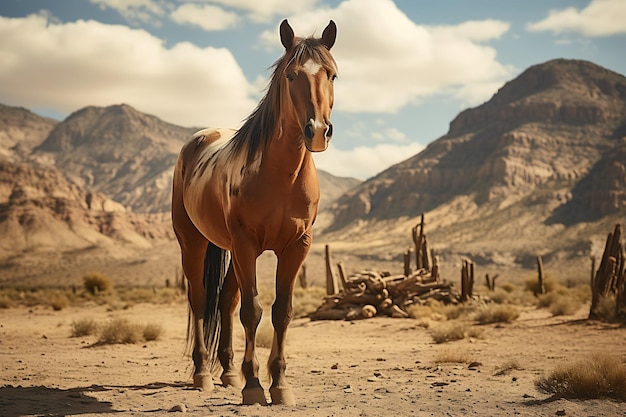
<point x="42" y="400"/>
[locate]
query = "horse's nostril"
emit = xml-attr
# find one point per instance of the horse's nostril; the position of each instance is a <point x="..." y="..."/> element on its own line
<point x="329" y="131"/>
<point x="309" y="131"/>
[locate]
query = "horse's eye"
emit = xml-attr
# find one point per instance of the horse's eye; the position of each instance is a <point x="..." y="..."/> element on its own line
<point x="290" y="76"/>
<point x="333" y="77"/>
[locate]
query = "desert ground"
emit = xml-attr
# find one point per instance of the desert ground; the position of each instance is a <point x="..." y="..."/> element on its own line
<point x="375" y="367"/>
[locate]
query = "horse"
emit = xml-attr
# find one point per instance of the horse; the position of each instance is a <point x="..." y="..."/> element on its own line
<point x="238" y="193"/>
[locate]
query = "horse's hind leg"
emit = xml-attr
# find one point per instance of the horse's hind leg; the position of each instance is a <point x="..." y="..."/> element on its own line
<point x="193" y="265"/>
<point x="229" y="298"/>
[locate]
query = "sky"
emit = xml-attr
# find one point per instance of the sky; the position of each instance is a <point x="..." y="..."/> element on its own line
<point x="406" y="67"/>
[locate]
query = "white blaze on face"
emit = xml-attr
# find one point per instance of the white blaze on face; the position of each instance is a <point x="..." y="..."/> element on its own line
<point x="311" y="67"/>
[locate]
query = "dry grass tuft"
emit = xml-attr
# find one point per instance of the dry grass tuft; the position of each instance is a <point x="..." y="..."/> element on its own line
<point x="497" y="313"/>
<point x="119" y="331"/>
<point x="453" y="356"/>
<point x="58" y="302"/>
<point x="599" y="376"/>
<point x="84" y="327"/>
<point x="152" y="332"/>
<point x="449" y="332"/>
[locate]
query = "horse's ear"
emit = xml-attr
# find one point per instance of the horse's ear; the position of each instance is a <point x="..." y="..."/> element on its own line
<point x="329" y="35"/>
<point x="286" y="35"/>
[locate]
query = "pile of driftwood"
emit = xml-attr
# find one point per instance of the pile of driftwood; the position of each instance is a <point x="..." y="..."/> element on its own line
<point x="370" y="293"/>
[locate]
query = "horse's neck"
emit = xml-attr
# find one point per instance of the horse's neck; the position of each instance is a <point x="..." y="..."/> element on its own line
<point x="287" y="154"/>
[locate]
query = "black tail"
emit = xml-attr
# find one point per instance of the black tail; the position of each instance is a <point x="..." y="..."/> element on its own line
<point x="215" y="264"/>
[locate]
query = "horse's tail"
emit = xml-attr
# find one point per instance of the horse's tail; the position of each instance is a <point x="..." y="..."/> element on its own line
<point x="215" y="266"/>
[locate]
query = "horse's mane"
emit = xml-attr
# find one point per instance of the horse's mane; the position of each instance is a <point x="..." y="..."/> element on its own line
<point x="259" y="126"/>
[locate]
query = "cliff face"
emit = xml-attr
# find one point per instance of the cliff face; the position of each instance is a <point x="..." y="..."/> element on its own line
<point x="41" y="210"/>
<point x="559" y="125"/>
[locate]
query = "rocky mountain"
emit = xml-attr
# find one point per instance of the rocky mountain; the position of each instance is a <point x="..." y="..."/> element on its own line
<point x="117" y="151"/>
<point x="21" y="130"/>
<point x="551" y="143"/>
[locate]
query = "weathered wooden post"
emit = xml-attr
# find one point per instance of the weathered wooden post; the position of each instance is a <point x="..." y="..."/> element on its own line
<point x="342" y="275"/>
<point x="417" y="240"/>
<point x="407" y="262"/>
<point x="434" y="273"/>
<point x="541" y="289"/>
<point x="609" y="273"/>
<point x="331" y="280"/>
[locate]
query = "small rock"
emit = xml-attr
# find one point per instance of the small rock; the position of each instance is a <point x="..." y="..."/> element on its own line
<point x="561" y="413"/>
<point x="474" y="365"/>
<point x="178" y="408"/>
<point x="335" y="366"/>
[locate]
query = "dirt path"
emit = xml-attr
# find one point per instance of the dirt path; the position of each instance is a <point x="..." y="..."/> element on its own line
<point x="376" y="367"/>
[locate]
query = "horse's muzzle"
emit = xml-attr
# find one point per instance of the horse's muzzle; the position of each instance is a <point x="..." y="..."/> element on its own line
<point x="317" y="135"/>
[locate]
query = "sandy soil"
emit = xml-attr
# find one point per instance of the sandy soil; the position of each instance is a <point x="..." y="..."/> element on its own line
<point x="376" y="367"/>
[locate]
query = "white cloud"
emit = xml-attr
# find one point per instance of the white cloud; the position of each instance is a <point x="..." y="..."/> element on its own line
<point x="387" y="61"/>
<point x="392" y="134"/>
<point x="208" y="17"/>
<point x="67" y="66"/>
<point x="599" y="18"/>
<point x="364" y="162"/>
<point x="135" y="11"/>
<point x="264" y="10"/>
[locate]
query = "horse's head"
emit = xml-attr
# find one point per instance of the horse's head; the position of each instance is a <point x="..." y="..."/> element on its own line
<point x="308" y="76"/>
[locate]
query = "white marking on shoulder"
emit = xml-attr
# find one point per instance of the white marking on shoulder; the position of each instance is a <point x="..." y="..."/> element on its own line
<point x="311" y="67"/>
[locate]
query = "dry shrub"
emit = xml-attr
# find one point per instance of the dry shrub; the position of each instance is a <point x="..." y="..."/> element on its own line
<point x="6" y="301"/>
<point x="598" y="376"/>
<point x="564" y="306"/>
<point x="532" y="285"/>
<point x="448" y="332"/>
<point x="152" y="332"/>
<point x="453" y="356"/>
<point x="474" y="332"/>
<point x="497" y="313"/>
<point x="84" y="327"/>
<point x="506" y="287"/>
<point x="438" y="311"/>
<point x="605" y="309"/>
<point x="120" y="331"/>
<point x="96" y="283"/>
<point x="58" y="302"/>
<point x="501" y="296"/>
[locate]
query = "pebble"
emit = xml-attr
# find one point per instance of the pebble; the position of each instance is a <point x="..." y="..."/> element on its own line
<point x="178" y="408"/>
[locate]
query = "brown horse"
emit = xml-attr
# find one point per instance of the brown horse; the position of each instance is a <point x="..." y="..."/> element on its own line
<point x="248" y="191"/>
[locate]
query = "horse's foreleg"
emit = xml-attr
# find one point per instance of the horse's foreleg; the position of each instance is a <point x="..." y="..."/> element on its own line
<point x="289" y="262"/>
<point x="244" y="262"/>
<point x="229" y="299"/>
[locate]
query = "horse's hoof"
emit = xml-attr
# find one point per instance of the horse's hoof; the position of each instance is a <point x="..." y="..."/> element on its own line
<point x="254" y="395"/>
<point x="282" y="395"/>
<point x="231" y="379"/>
<point x="203" y="382"/>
